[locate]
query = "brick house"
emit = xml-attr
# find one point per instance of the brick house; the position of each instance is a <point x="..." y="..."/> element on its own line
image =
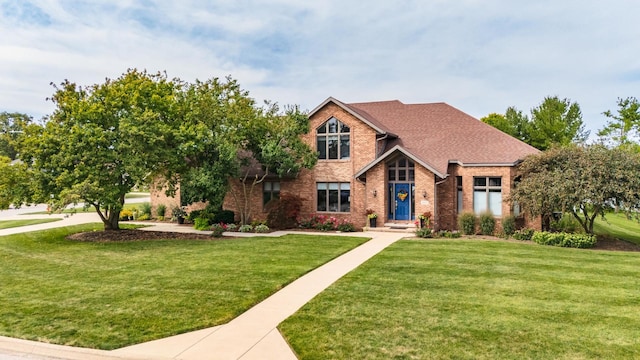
<point x="400" y="160"/>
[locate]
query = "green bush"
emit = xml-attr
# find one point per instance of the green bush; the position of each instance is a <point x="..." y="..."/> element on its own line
<point x="523" y="234"/>
<point x="161" y="210"/>
<point x="224" y="216"/>
<point x="509" y="225"/>
<point x="467" y="223"/>
<point x="145" y="209"/>
<point x="213" y="215"/>
<point x="346" y="226"/>
<point x="217" y="230"/>
<point x="424" y="232"/>
<point x="567" y="224"/>
<point x="245" y="228"/>
<point x="143" y="217"/>
<point x="232" y="227"/>
<point x="564" y="239"/>
<point x="201" y="224"/>
<point x="261" y="229"/>
<point x="487" y="223"/>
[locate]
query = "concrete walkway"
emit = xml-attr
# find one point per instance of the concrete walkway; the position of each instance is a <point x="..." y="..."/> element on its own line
<point x="252" y="335"/>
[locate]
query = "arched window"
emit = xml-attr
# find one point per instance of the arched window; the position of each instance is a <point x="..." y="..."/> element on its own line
<point x="332" y="140"/>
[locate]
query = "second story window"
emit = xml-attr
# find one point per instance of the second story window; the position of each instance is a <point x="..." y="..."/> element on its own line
<point x="332" y="140"/>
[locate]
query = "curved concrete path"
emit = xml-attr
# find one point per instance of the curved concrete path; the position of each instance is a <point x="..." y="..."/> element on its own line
<point x="252" y="335"/>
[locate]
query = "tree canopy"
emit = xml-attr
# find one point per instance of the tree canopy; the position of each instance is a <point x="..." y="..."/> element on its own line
<point x="234" y="139"/>
<point x="12" y="126"/>
<point x="623" y="127"/>
<point x="554" y="122"/>
<point x="104" y="139"/>
<point x="583" y="181"/>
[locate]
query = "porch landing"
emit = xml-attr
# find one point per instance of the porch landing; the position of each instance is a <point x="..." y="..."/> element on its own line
<point x="394" y="227"/>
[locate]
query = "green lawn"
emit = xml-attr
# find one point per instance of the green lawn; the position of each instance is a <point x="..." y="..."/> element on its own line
<point x="137" y="195"/>
<point x="475" y="299"/>
<point x="5" y="224"/>
<point x="108" y="295"/>
<point x="618" y="226"/>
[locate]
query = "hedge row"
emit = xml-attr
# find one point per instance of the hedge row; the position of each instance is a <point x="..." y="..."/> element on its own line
<point x="581" y="241"/>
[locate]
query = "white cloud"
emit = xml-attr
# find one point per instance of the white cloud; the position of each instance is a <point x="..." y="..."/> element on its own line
<point x="480" y="56"/>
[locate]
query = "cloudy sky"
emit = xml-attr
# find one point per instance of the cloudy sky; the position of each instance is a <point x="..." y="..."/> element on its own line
<point x="479" y="56"/>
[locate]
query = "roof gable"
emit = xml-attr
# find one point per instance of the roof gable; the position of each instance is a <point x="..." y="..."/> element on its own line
<point x="357" y="113"/>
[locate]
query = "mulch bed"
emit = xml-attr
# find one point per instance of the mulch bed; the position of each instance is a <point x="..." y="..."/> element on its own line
<point x="134" y="235"/>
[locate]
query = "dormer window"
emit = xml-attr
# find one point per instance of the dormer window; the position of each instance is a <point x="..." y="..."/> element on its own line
<point x="332" y="140"/>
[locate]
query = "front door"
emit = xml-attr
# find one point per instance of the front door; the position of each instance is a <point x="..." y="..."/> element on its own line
<point x="402" y="201"/>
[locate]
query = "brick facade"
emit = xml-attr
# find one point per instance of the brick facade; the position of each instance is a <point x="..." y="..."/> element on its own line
<point x="433" y="193"/>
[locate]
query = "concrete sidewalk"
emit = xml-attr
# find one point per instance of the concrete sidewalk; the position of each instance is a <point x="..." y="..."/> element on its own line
<point x="252" y="335"/>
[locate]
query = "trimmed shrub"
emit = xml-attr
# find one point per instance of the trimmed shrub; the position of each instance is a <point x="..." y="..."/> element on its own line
<point x="509" y="225"/>
<point x="487" y="223"/>
<point x="145" y="209"/>
<point x="161" y="210"/>
<point x="217" y="230"/>
<point x="245" y="228"/>
<point x="581" y="241"/>
<point x="424" y="232"/>
<point x="284" y="212"/>
<point x="467" y="223"/>
<point x="346" y="226"/>
<point x="523" y="234"/>
<point x="262" y="228"/>
<point x="201" y="224"/>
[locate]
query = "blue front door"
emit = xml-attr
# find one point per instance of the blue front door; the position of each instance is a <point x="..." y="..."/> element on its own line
<point x="403" y="200"/>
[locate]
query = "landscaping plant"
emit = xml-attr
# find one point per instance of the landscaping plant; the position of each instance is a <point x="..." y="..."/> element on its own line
<point x="487" y="223"/>
<point x="467" y="223"/>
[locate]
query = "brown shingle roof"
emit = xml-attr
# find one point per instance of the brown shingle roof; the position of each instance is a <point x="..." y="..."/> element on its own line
<point x="438" y="134"/>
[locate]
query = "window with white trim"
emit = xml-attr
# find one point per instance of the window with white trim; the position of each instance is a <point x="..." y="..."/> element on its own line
<point x="333" y="197"/>
<point x="487" y="195"/>
<point x="333" y="140"/>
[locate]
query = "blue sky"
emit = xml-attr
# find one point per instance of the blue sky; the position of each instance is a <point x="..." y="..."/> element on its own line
<point x="479" y="56"/>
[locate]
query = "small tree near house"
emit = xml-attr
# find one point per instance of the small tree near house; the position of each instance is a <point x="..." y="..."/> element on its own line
<point x="233" y="140"/>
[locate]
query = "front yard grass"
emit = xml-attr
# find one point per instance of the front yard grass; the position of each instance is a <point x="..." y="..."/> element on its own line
<point x="475" y="299"/>
<point x="618" y="226"/>
<point x="5" y="224"/>
<point x="109" y="295"/>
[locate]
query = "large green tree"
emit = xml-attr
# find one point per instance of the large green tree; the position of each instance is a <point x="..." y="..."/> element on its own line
<point x="15" y="183"/>
<point x="233" y="139"/>
<point x="583" y="181"/>
<point x="12" y="126"/>
<point x="554" y="122"/>
<point x="104" y="139"/>
<point x="624" y="126"/>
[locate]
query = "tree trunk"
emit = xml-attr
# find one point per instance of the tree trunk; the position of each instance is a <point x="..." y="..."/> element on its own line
<point x="113" y="221"/>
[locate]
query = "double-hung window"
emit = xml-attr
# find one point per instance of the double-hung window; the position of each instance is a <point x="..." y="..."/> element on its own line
<point x="270" y="191"/>
<point x="333" y="197"/>
<point x="487" y="195"/>
<point x="333" y="141"/>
